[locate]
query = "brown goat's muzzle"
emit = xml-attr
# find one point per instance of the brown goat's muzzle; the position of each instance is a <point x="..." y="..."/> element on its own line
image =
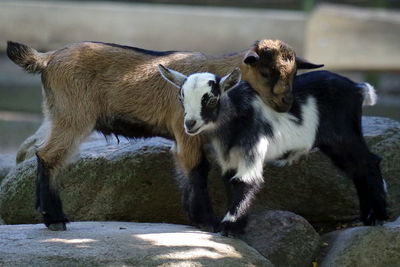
<point x="282" y="102"/>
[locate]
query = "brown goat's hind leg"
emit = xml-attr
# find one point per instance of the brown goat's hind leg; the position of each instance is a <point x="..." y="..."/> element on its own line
<point x="61" y="143"/>
<point x="196" y="199"/>
<point x="48" y="201"/>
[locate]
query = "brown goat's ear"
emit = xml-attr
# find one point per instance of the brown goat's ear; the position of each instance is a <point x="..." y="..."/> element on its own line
<point x="251" y="58"/>
<point x="305" y="64"/>
<point x="172" y="76"/>
<point x="230" y="80"/>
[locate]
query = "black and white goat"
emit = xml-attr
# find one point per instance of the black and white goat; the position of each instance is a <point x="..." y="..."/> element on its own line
<point x="245" y="133"/>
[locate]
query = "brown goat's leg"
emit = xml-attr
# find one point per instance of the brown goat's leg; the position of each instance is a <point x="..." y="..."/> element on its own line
<point x="196" y="200"/>
<point x="61" y="142"/>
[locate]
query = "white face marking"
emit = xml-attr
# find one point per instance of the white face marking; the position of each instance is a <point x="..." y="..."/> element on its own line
<point x="193" y="90"/>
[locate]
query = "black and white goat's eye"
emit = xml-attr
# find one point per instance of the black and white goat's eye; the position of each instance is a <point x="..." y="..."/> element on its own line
<point x="212" y="102"/>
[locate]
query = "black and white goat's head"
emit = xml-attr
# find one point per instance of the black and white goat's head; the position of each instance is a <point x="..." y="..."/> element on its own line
<point x="200" y="95"/>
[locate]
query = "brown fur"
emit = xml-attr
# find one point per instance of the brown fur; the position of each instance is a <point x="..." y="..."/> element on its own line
<point x="85" y="82"/>
<point x="95" y="86"/>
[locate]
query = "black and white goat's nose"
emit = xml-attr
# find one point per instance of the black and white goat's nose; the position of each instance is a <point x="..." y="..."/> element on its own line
<point x="189" y="124"/>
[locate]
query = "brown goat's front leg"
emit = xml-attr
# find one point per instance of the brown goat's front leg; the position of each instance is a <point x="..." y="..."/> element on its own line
<point x="196" y="199"/>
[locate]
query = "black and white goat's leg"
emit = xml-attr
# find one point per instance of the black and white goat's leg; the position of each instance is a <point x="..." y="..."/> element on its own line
<point x="226" y="179"/>
<point x="363" y="167"/>
<point x="242" y="194"/>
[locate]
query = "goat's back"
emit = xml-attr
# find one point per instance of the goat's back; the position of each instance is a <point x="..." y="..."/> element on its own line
<point x="117" y="80"/>
<point x="339" y="102"/>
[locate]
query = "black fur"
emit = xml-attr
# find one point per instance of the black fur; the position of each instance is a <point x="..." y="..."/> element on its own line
<point x="215" y="88"/>
<point x="48" y="201"/>
<point x="242" y="195"/>
<point x="24" y="56"/>
<point x="139" y="50"/>
<point x="235" y="132"/>
<point x="124" y="126"/>
<point x="196" y="199"/>
<point x="339" y="135"/>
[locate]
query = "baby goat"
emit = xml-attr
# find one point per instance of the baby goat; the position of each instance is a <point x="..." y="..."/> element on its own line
<point x="116" y="89"/>
<point x="326" y="113"/>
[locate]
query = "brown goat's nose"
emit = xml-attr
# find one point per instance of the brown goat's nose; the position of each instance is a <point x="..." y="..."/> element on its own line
<point x="288" y="99"/>
<point x="189" y="124"/>
<point x="284" y="103"/>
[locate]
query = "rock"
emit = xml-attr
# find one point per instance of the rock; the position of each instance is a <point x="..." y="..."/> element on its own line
<point x="122" y="244"/>
<point x="126" y="181"/>
<point x="286" y="239"/>
<point x="136" y="181"/>
<point x="7" y="162"/>
<point x="28" y="148"/>
<point x="364" y="246"/>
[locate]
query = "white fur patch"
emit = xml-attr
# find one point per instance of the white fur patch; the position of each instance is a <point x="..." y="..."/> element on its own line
<point x="385" y="186"/>
<point x="370" y="97"/>
<point x="289" y="135"/>
<point x="193" y="89"/>
<point x="229" y="218"/>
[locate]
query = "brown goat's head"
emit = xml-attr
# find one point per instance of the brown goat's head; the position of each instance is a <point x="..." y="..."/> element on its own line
<point x="270" y="67"/>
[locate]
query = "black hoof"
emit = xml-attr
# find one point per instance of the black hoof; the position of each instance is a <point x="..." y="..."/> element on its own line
<point x="211" y="227"/>
<point x="230" y="229"/>
<point x="57" y="226"/>
<point x="373" y="220"/>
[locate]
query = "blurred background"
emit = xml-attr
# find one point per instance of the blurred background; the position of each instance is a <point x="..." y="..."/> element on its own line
<point x="357" y="38"/>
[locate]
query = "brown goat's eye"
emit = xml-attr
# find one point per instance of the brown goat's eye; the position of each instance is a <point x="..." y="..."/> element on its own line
<point x="265" y="74"/>
<point x="212" y="102"/>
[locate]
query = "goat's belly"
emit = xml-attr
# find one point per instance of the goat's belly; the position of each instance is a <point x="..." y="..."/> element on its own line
<point x="131" y="128"/>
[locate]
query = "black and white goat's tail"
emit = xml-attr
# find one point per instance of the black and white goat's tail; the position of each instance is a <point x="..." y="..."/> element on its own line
<point x="370" y="96"/>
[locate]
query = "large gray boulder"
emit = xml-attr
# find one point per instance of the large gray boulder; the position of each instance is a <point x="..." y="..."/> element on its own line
<point x="122" y="244"/>
<point x="125" y="181"/>
<point x="7" y="162"/>
<point x="136" y="181"/>
<point x="285" y="238"/>
<point x="362" y="247"/>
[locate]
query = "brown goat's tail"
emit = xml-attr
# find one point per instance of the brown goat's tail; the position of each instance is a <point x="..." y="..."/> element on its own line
<point x="26" y="57"/>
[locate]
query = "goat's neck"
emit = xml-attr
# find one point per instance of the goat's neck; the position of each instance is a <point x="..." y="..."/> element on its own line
<point x="224" y="64"/>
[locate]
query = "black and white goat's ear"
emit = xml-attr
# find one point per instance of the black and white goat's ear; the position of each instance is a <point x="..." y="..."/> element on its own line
<point x="305" y="64"/>
<point x="230" y="80"/>
<point x="251" y="57"/>
<point x="172" y="76"/>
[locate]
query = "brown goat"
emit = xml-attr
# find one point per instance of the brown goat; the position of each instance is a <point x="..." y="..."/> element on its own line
<point x="117" y="90"/>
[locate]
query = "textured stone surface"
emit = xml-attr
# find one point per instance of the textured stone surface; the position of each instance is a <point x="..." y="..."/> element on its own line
<point x="286" y="239"/>
<point x="130" y="181"/>
<point x="135" y="181"/>
<point x="7" y="162"/>
<point x="122" y="244"/>
<point x="362" y="247"/>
